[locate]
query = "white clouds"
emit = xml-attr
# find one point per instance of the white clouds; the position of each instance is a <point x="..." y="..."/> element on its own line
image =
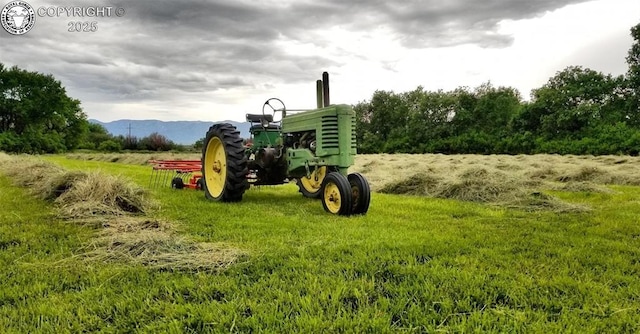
<point x="593" y="34"/>
<point x="216" y="60"/>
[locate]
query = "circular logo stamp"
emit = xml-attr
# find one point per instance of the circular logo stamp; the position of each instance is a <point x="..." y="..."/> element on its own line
<point x="17" y="17"/>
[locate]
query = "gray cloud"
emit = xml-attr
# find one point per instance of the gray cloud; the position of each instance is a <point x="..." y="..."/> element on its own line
<point x="430" y="23"/>
<point x="162" y="48"/>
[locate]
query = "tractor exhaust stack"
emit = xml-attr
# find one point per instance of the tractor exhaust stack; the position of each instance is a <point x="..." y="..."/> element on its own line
<point x="325" y="89"/>
<point x="319" y="89"/>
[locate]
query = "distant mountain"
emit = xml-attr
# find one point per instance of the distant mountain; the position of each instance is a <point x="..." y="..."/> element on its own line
<point x="180" y="132"/>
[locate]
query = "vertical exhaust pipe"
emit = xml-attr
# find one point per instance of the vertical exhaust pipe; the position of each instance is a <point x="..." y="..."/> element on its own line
<point x="319" y="101"/>
<point x="325" y="89"/>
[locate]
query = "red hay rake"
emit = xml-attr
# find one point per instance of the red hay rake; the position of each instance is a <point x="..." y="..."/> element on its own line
<point x="178" y="174"/>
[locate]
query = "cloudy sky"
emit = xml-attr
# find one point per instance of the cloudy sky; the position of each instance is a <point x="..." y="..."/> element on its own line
<point x="214" y="60"/>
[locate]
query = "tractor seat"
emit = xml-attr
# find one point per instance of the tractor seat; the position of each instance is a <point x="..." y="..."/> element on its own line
<point x="259" y="118"/>
<point x="261" y="128"/>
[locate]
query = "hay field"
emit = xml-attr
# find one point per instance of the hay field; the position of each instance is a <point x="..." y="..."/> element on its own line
<point x="491" y="244"/>
<point x="521" y="181"/>
<point x="119" y="210"/>
<point x="384" y="169"/>
<point x="550" y="170"/>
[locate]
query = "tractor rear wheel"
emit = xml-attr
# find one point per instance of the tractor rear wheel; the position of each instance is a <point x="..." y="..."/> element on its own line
<point x="336" y="194"/>
<point x="311" y="186"/>
<point x="224" y="164"/>
<point x="361" y="193"/>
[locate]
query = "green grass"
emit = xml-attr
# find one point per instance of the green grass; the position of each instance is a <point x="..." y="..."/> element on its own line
<point x="412" y="264"/>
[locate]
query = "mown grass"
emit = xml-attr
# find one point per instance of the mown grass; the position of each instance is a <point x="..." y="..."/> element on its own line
<point x="412" y="264"/>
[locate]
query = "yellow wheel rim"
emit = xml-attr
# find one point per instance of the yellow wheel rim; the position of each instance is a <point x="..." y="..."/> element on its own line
<point x="215" y="167"/>
<point x="332" y="197"/>
<point x="313" y="183"/>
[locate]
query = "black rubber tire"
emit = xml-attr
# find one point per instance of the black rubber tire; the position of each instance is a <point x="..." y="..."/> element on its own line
<point x="200" y="184"/>
<point x="361" y="193"/>
<point x="177" y="183"/>
<point x="312" y="194"/>
<point x="306" y="193"/>
<point x="235" y="182"/>
<point x="344" y="188"/>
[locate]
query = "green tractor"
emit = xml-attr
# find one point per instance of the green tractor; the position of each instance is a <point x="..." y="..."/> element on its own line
<point x="313" y="147"/>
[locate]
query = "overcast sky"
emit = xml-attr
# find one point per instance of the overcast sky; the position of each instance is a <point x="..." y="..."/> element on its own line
<point x="216" y="60"/>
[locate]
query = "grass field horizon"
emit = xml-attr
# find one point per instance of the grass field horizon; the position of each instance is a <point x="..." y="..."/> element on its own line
<point x="455" y="256"/>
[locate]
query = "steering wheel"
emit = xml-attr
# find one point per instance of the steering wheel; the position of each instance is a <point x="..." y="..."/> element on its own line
<point x="282" y="110"/>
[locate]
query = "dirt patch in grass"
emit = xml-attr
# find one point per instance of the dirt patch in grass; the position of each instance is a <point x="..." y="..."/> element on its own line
<point x="118" y="208"/>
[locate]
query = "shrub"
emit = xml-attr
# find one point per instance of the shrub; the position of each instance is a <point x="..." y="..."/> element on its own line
<point x="110" y="146"/>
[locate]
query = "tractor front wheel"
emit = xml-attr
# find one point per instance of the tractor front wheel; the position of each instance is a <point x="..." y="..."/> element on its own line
<point x="361" y="193"/>
<point x="336" y="194"/>
<point x="224" y="164"/>
<point x="311" y="186"/>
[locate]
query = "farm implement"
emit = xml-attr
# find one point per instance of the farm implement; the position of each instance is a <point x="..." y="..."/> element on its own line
<point x="314" y="147"/>
<point x="181" y="173"/>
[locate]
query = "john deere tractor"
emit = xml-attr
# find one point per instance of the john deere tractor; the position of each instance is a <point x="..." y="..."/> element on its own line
<point x="313" y="147"/>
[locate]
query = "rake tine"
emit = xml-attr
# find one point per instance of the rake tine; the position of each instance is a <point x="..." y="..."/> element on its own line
<point x="153" y="172"/>
<point x="156" y="179"/>
<point x="166" y="177"/>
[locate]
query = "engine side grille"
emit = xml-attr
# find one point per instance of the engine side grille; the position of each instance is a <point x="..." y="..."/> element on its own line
<point x="330" y="132"/>
<point x="353" y="133"/>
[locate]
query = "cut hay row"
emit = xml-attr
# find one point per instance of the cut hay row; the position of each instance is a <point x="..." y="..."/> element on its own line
<point x="518" y="181"/>
<point x="118" y="208"/>
<point x="383" y="169"/>
<point x="478" y="184"/>
<point x="132" y="158"/>
<point x="512" y="181"/>
<point x="156" y="244"/>
<point x="78" y="194"/>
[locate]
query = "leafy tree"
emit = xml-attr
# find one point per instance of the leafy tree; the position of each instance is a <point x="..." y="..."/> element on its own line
<point x="36" y="115"/>
<point x="95" y="135"/>
<point x="570" y="103"/>
<point x="430" y="114"/>
<point x="578" y="111"/>
<point x="633" y="76"/>
<point x="129" y="142"/>
<point x="199" y="144"/>
<point x="156" y="142"/>
<point x="486" y="110"/>
<point x="110" y="145"/>
<point x="367" y="138"/>
<point x="464" y="117"/>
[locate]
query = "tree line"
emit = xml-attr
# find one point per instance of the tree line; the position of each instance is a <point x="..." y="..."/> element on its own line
<point x="98" y="138"/>
<point x="37" y="116"/>
<point x="578" y="111"/>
